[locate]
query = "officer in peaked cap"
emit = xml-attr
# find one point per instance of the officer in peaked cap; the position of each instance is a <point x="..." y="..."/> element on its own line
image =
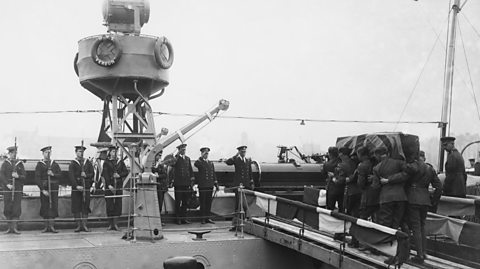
<point x="455" y="175"/>
<point x="12" y="175"/>
<point x="206" y="180"/>
<point x="182" y="181"/>
<point x="81" y="174"/>
<point x="47" y="178"/>
<point x="243" y="177"/>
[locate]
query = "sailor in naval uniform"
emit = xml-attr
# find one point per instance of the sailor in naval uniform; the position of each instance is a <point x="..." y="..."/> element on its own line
<point x="242" y="177"/>
<point x="455" y="175"/>
<point x="206" y="180"/>
<point x="160" y="169"/>
<point x="80" y="172"/>
<point x="12" y="175"/>
<point x="114" y="172"/>
<point x="47" y="178"/>
<point x="182" y="181"/>
<point x="98" y="179"/>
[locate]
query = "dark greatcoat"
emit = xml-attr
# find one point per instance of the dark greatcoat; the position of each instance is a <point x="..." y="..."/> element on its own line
<point x="329" y="166"/>
<point x="41" y="179"/>
<point x="243" y="171"/>
<point x="455" y="175"/>
<point x="161" y="171"/>
<point x="110" y="167"/>
<point x="182" y="171"/>
<point x="206" y="179"/>
<point x="370" y="193"/>
<point x="347" y="169"/>
<point x="12" y="208"/>
<point x="392" y="169"/>
<point x="417" y="185"/>
<point x="206" y="176"/>
<point x="74" y="172"/>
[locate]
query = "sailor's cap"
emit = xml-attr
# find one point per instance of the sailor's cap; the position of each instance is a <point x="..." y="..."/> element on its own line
<point x="77" y="148"/>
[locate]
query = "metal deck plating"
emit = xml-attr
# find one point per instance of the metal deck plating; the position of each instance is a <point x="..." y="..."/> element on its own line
<point x="102" y="249"/>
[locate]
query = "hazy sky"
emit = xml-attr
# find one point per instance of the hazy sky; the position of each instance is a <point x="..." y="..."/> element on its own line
<point x="346" y="60"/>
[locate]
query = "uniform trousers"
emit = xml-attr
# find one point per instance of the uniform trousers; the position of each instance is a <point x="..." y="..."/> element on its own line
<point x="182" y="194"/>
<point x="47" y="211"/>
<point x="205" y="201"/>
<point x="391" y="214"/>
<point x="417" y="214"/>
<point x="335" y="195"/>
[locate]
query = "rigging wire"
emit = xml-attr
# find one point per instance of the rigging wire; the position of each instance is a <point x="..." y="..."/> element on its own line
<point x="51" y="111"/>
<point x="438" y="35"/>
<point x="416" y="83"/>
<point x="422" y="70"/>
<point x="158" y="113"/>
<point x="468" y="69"/>
<point x="473" y="27"/>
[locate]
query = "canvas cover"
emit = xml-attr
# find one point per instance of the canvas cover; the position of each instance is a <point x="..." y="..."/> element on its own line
<point x="401" y="146"/>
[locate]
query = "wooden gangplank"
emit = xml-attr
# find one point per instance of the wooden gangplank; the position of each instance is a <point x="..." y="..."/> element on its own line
<point x="327" y="250"/>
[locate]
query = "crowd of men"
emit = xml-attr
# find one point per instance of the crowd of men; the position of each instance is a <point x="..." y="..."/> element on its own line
<point x="107" y="173"/>
<point x="391" y="192"/>
<point x="182" y="179"/>
<point x="370" y="184"/>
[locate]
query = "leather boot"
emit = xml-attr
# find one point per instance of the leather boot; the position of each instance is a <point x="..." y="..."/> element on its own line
<point x="84" y="223"/>
<point x="115" y="224"/>
<point x="51" y="226"/>
<point x="110" y="225"/>
<point x="79" y="226"/>
<point x="14" y="227"/>
<point x="45" y="230"/>
<point x="10" y="224"/>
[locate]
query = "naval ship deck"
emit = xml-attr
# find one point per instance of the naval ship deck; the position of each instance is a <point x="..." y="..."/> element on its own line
<point x="105" y="249"/>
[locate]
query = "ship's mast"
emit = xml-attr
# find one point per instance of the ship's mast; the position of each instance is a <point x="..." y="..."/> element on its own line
<point x="448" y="79"/>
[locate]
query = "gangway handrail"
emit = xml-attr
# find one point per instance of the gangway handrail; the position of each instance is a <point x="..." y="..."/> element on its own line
<point x="338" y="215"/>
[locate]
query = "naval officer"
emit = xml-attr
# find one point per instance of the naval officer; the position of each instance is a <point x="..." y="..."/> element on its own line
<point x="206" y="180"/>
<point x="182" y="182"/>
<point x="81" y="174"/>
<point x="242" y="177"/>
<point x="47" y="178"/>
<point x="12" y="175"/>
<point x="455" y="175"/>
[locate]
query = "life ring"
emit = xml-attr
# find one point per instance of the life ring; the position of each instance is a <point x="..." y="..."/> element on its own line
<point x="160" y="57"/>
<point x="106" y="51"/>
<point x="75" y="66"/>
